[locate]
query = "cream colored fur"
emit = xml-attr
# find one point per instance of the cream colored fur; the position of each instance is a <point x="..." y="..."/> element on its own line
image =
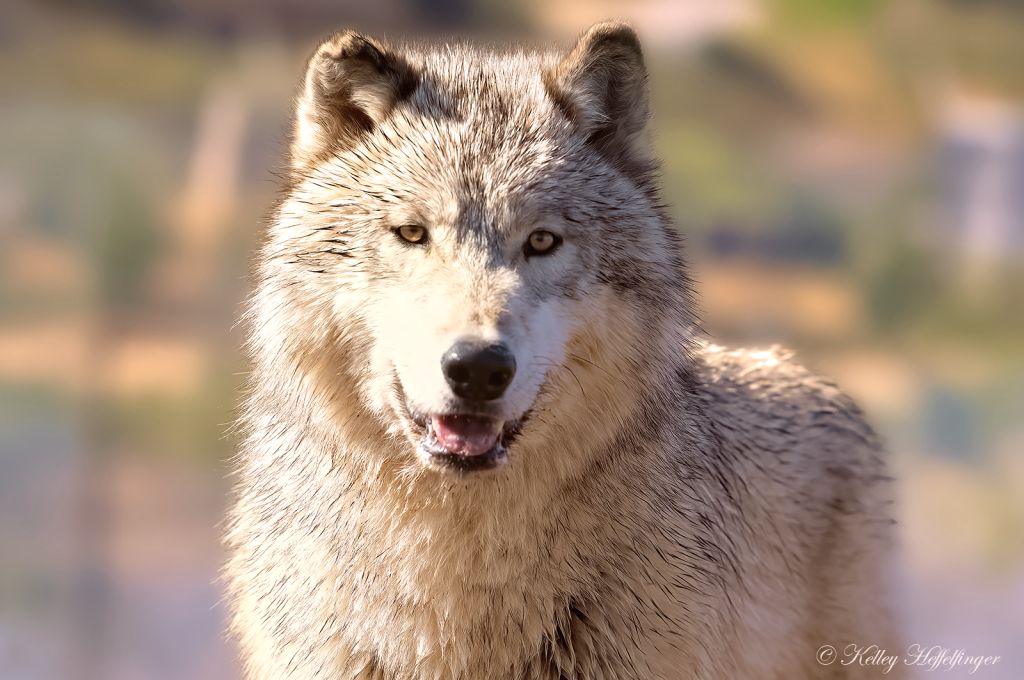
<point x="669" y="509"/>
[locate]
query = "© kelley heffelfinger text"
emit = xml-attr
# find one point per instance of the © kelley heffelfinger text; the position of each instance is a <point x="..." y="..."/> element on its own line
<point x="932" y="658"/>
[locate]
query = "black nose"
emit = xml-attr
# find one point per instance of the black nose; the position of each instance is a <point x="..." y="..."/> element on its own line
<point x="478" y="372"/>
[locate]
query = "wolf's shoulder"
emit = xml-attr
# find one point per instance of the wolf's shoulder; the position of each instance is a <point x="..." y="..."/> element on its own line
<point x="762" y="400"/>
<point x="770" y="376"/>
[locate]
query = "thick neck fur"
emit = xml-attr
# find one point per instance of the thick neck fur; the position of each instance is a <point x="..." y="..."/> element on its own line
<point x="421" y="573"/>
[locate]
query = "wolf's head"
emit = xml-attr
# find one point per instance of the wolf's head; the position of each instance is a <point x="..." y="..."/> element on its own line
<point x="470" y="253"/>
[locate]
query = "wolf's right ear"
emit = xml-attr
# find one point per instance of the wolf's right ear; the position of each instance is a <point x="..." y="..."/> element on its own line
<point x="601" y="87"/>
<point x="351" y="85"/>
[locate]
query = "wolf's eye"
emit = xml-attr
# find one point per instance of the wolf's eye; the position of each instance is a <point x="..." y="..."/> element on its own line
<point x="412" y="233"/>
<point x="541" y="243"/>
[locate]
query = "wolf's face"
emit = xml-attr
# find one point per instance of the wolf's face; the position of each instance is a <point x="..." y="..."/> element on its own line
<point x="476" y="304"/>
<point x="473" y="229"/>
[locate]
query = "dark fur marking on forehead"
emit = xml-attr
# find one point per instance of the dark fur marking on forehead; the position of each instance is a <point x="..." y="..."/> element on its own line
<point x="475" y="228"/>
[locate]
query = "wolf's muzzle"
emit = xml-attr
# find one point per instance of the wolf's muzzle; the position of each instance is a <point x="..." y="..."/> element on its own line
<point x="478" y="372"/>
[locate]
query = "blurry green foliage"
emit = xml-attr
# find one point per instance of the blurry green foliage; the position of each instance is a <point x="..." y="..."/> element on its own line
<point x="107" y="62"/>
<point x="194" y="428"/>
<point x="754" y="72"/>
<point x="708" y="179"/>
<point x="977" y="43"/>
<point x="126" y="242"/>
<point x="96" y="181"/>
<point x="904" y="287"/>
<point x="824" y="13"/>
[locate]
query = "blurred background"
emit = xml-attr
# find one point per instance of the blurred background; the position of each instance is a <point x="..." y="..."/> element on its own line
<point x="849" y="176"/>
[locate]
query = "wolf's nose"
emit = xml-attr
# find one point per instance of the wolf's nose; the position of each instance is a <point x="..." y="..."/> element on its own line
<point x="478" y="372"/>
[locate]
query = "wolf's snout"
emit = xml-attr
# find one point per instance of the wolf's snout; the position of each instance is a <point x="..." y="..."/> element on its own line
<point x="478" y="372"/>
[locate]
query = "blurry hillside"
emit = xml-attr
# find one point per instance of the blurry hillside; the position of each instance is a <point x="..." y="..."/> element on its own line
<point x="849" y="176"/>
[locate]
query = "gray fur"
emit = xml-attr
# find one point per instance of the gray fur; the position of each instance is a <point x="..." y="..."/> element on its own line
<point x="668" y="509"/>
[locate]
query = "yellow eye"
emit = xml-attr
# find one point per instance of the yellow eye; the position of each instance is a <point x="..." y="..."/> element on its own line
<point x="412" y="233"/>
<point x="541" y="243"/>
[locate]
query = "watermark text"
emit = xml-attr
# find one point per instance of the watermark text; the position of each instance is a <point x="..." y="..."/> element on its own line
<point x="931" y="658"/>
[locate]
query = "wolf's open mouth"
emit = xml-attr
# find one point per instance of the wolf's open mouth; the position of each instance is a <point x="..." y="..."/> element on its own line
<point x="463" y="442"/>
<point x="466" y="442"/>
<point x="466" y="435"/>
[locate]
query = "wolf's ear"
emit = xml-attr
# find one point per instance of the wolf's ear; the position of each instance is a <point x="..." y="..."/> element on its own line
<point x="351" y="85"/>
<point x="602" y="88"/>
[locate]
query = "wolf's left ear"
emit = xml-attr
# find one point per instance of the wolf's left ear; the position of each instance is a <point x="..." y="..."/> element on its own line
<point x="351" y="85"/>
<point x="602" y="88"/>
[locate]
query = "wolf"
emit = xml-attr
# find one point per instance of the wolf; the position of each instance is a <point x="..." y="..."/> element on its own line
<point x="483" y="435"/>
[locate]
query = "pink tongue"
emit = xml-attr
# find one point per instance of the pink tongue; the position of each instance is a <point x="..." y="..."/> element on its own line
<point x="467" y="435"/>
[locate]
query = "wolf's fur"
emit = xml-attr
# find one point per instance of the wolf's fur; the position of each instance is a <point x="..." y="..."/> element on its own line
<point x="668" y="509"/>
